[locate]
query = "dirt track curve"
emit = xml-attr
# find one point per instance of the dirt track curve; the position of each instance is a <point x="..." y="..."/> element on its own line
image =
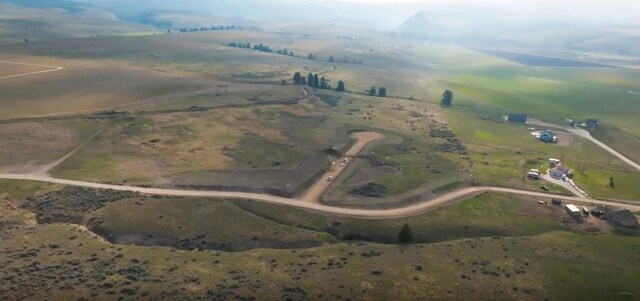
<point x="51" y="69"/>
<point x="363" y="213"/>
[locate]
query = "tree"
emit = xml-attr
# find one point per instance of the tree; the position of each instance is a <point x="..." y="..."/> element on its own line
<point x="284" y="83"/>
<point x="290" y="53"/>
<point x="310" y="80"/>
<point x="26" y="40"/>
<point x="612" y="184"/>
<point x="331" y="59"/>
<point x="405" y="236"/>
<point x="310" y="56"/>
<point x="304" y="81"/>
<point x="297" y="78"/>
<point x="340" y="87"/>
<point x="316" y="81"/>
<point x="372" y="91"/>
<point x="447" y="98"/>
<point x="382" y="92"/>
<point x="323" y="83"/>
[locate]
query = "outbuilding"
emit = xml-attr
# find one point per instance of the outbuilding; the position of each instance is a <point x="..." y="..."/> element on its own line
<point x="517" y="118"/>
<point x="622" y="218"/>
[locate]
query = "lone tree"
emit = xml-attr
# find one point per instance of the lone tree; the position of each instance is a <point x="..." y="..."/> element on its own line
<point x="405" y="236"/>
<point x="372" y="91"/>
<point x="612" y="184"/>
<point x="331" y="59"/>
<point x="447" y="98"/>
<point x="382" y="92"/>
<point x="340" y="87"/>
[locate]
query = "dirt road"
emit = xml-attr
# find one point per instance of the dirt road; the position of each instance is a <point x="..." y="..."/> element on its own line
<point x="414" y="209"/>
<point x="316" y="190"/>
<point x="51" y="69"/>
<point x="585" y="134"/>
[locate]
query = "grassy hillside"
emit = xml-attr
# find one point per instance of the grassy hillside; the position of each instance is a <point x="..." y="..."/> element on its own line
<point x="43" y="257"/>
<point x="40" y="20"/>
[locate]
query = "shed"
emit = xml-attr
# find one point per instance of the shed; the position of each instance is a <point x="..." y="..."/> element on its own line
<point x="560" y="171"/>
<point x="518" y="118"/>
<point x="556" y="202"/>
<point x="592" y="123"/>
<point x="623" y="218"/>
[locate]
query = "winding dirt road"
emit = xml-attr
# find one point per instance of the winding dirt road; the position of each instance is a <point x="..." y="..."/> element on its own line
<point x="415" y="209"/>
<point x="51" y="69"/>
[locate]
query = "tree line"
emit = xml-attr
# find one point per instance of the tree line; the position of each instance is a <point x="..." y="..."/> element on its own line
<point x="314" y="81"/>
<point x="261" y="47"/>
<point x="204" y="28"/>
<point x="345" y="59"/>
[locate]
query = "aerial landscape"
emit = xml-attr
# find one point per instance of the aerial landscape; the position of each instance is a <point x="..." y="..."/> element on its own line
<point x="336" y="150"/>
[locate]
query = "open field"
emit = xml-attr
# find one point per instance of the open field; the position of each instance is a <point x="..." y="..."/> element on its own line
<point x="541" y="61"/>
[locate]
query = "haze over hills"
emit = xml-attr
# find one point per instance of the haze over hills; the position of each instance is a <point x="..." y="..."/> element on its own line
<point x="540" y="26"/>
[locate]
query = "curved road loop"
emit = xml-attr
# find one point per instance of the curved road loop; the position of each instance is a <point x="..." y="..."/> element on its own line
<point x="52" y="69"/>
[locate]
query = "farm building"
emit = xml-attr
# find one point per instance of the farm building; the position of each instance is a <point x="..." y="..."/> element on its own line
<point x="622" y="218"/>
<point x="591" y="123"/>
<point x="517" y="118"/>
<point x="574" y="212"/>
<point x="548" y="136"/>
<point x="560" y="171"/>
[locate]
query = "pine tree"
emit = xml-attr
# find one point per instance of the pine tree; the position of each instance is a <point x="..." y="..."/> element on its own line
<point x="297" y="78"/>
<point x="310" y="80"/>
<point x="340" y="87"/>
<point x="331" y="59"/>
<point x="405" y="236"/>
<point x="447" y="98"/>
<point x="316" y="81"/>
<point x="323" y="83"/>
<point x="372" y="91"/>
<point x="382" y="92"/>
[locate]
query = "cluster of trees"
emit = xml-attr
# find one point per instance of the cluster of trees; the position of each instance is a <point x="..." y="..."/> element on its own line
<point x="204" y="28"/>
<point x="447" y="98"/>
<point x="346" y="60"/>
<point x="260" y="47"/>
<point x="382" y="92"/>
<point x="314" y="81"/>
<point x="331" y="59"/>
